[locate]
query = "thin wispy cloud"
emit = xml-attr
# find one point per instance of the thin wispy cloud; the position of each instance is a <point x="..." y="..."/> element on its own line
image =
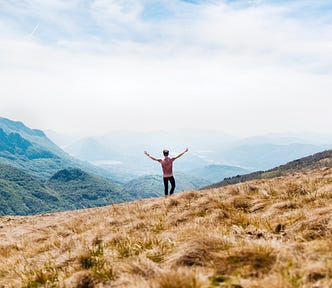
<point x="258" y="66"/>
<point x="34" y="30"/>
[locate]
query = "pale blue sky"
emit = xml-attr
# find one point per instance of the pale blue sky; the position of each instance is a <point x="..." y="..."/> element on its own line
<point x="93" y="66"/>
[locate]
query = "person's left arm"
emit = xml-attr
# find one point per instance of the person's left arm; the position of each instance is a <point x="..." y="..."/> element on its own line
<point x="178" y="156"/>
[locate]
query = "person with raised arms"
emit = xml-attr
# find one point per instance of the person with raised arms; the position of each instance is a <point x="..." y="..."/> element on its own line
<point x="167" y="167"/>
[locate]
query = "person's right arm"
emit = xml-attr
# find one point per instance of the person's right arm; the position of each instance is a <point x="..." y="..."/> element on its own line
<point x="150" y="156"/>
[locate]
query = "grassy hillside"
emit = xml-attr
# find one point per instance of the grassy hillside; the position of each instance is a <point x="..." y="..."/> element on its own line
<point x="83" y="190"/>
<point x="152" y="185"/>
<point x="318" y="160"/>
<point x="264" y="233"/>
<point x="21" y="194"/>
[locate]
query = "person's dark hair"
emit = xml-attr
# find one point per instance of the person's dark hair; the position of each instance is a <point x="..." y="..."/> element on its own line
<point x="165" y="152"/>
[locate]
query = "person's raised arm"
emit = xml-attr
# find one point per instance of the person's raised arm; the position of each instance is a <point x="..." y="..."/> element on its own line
<point x="178" y="156"/>
<point x="151" y="157"/>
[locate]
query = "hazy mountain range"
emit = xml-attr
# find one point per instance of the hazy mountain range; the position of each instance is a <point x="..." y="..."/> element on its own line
<point x="37" y="176"/>
<point x="122" y="151"/>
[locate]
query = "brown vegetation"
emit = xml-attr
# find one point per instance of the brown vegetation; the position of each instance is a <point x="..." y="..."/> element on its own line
<point x="264" y="233"/>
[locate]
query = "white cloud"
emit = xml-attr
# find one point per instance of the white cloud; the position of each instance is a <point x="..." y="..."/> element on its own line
<point x="247" y="70"/>
<point x="120" y="12"/>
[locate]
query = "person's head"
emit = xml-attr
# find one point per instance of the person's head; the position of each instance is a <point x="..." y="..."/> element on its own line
<point x="165" y="152"/>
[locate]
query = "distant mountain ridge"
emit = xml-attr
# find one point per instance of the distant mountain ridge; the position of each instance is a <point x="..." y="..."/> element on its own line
<point x="121" y="151"/>
<point x="31" y="151"/>
<point x="14" y="144"/>
<point x="17" y="126"/>
<point x="215" y="172"/>
<point x="318" y="160"/>
<point x="267" y="155"/>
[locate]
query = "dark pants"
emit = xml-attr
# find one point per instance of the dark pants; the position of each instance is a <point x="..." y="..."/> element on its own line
<point x="172" y="180"/>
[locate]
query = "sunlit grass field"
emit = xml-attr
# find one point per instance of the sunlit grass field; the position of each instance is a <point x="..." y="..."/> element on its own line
<point x="263" y="233"/>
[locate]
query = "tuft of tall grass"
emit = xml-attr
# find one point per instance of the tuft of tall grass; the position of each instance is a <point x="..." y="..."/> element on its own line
<point x="45" y="276"/>
<point x="93" y="259"/>
<point x="247" y="261"/>
<point x="184" y="278"/>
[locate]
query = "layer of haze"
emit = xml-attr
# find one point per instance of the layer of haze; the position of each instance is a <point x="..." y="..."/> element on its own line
<point x="243" y="67"/>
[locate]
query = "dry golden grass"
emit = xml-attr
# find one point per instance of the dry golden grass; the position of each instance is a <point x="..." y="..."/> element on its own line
<point x="264" y="233"/>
